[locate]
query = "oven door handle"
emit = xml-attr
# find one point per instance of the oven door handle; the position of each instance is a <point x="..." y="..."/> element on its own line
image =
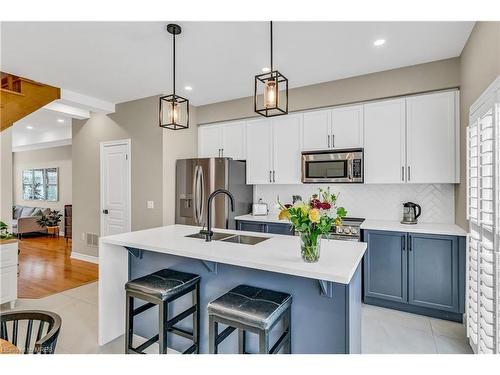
<point x="350" y="169"/>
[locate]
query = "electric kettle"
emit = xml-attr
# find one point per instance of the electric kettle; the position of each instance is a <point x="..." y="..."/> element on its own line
<point x="410" y="214"/>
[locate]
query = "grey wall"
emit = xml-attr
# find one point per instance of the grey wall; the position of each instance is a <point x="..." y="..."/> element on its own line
<point x="480" y="65"/>
<point x="137" y="120"/>
<point x="58" y="157"/>
<point x="408" y="80"/>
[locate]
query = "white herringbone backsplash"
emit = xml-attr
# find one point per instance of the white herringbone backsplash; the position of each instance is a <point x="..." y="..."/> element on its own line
<point x="381" y="202"/>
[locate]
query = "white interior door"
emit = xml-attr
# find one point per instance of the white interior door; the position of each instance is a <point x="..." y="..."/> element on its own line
<point x="115" y="187"/>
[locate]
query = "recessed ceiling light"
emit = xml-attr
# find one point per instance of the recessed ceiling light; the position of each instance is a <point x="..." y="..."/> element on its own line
<point x="266" y="69"/>
<point x="29" y="127"/>
<point x="188" y="88"/>
<point x="379" y="42"/>
<point x="61" y="120"/>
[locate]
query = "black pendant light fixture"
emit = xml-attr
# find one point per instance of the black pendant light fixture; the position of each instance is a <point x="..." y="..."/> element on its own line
<point x="174" y="109"/>
<point x="271" y="90"/>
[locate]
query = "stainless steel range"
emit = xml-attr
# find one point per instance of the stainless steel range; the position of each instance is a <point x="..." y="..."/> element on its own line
<point x="349" y="230"/>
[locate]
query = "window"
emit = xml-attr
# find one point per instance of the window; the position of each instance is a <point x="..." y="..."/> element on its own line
<point x="40" y="184"/>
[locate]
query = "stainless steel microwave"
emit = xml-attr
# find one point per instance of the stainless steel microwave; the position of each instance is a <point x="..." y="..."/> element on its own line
<point x="333" y="166"/>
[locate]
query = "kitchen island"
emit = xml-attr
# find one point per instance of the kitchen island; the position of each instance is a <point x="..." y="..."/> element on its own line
<point x="326" y="308"/>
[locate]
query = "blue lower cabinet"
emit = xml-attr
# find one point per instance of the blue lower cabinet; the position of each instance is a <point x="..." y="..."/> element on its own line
<point x="419" y="273"/>
<point x="433" y="269"/>
<point x="385" y="266"/>
<point x="264" y="227"/>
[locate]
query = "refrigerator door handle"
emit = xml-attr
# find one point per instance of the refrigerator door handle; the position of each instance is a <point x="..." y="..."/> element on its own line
<point x="202" y="194"/>
<point x="195" y="194"/>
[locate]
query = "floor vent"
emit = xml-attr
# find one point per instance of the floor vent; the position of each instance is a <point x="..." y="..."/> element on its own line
<point x="92" y="239"/>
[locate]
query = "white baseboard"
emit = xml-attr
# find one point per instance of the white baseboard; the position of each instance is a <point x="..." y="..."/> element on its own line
<point x="85" y="257"/>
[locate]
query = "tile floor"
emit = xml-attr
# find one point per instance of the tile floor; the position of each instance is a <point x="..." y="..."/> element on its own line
<point x="383" y="330"/>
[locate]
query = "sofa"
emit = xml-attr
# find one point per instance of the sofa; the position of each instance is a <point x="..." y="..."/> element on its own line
<point x="25" y="219"/>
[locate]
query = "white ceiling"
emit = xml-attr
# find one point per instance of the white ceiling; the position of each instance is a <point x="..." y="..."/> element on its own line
<point x="121" y="61"/>
<point x="45" y="130"/>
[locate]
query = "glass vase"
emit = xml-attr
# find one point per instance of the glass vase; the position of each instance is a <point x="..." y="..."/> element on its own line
<point x="310" y="247"/>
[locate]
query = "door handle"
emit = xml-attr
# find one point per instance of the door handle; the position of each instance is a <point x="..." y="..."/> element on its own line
<point x="403" y="243"/>
<point x="328" y="140"/>
<point x="274" y="180"/>
<point x="333" y="140"/>
<point x="409" y="173"/>
<point x="409" y="243"/>
<point x="221" y="152"/>
<point x="105" y="212"/>
<point x="402" y="173"/>
<point x="270" y="176"/>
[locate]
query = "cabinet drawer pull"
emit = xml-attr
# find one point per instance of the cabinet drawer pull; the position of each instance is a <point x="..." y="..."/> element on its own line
<point x="270" y="174"/>
<point x="409" y="173"/>
<point x="274" y="179"/>
<point x="402" y="173"/>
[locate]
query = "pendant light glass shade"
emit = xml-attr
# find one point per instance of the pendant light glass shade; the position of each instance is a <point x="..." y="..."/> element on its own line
<point x="271" y="91"/>
<point x="174" y="109"/>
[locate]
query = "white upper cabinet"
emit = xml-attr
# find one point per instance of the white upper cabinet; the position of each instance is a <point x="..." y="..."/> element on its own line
<point x="340" y="127"/>
<point x="233" y="140"/>
<point x="218" y="140"/>
<point x="259" y="151"/>
<point x="347" y="127"/>
<point x="209" y="141"/>
<point x="286" y="149"/>
<point x="316" y="130"/>
<point x="432" y="134"/>
<point x="384" y="141"/>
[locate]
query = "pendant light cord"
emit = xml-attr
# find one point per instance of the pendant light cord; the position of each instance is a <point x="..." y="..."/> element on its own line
<point x="271" y="27"/>
<point x="173" y="36"/>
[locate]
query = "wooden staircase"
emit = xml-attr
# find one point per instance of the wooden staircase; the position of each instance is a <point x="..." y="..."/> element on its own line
<point x="20" y="96"/>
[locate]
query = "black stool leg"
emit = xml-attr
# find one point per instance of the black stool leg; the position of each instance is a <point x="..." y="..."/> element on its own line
<point x="162" y="328"/>
<point x="129" y="322"/>
<point x="213" y="331"/>
<point x="242" y="335"/>
<point x="196" y="318"/>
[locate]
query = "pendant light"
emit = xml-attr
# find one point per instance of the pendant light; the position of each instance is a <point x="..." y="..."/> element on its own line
<point x="271" y="90"/>
<point x="174" y="109"/>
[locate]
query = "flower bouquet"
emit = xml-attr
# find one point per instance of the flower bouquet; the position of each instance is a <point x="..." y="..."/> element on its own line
<point x="312" y="220"/>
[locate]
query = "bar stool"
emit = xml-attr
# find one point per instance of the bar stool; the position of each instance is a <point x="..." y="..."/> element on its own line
<point x="251" y="309"/>
<point x="160" y="289"/>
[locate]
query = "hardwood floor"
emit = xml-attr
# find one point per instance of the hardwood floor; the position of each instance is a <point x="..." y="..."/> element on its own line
<point x="45" y="267"/>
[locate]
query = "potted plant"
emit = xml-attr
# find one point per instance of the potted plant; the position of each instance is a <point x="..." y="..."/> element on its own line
<point x="313" y="220"/>
<point x="50" y="221"/>
<point x="4" y="233"/>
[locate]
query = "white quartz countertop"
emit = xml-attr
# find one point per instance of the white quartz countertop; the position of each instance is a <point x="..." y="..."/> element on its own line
<point x="426" y="228"/>
<point x="271" y="217"/>
<point x="280" y="253"/>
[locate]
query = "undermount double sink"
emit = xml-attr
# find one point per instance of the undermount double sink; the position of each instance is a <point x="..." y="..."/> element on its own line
<point x="229" y="237"/>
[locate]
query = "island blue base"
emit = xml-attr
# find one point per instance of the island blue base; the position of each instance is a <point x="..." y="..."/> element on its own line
<point x="321" y="323"/>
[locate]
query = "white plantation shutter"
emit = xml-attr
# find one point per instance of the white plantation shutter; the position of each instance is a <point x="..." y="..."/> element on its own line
<point x="483" y="213"/>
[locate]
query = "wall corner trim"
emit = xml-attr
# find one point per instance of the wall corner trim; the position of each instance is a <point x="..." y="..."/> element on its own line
<point x="85" y="257"/>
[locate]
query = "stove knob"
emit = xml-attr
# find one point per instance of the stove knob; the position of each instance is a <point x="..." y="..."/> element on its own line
<point x="347" y="230"/>
<point x="340" y="229"/>
<point x="354" y="231"/>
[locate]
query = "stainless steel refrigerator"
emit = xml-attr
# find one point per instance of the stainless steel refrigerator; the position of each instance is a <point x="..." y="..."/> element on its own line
<point x="196" y="179"/>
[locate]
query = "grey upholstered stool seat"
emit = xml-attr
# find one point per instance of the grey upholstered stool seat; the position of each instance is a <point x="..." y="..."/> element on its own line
<point x="252" y="309"/>
<point x="159" y="289"/>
